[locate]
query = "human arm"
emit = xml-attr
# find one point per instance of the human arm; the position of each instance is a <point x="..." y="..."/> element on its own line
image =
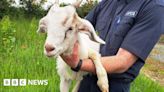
<point x="113" y="64"/>
<point x="124" y="60"/>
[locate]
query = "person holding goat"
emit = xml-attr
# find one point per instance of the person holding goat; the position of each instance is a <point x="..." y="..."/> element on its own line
<point x="130" y="29"/>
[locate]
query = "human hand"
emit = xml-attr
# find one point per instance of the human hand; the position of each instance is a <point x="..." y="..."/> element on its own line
<point x="73" y="59"/>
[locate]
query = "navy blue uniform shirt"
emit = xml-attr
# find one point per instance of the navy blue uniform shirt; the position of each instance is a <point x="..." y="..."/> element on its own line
<point x="134" y="25"/>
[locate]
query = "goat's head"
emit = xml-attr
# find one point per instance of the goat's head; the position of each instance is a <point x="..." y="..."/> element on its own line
<point x="60" y="24"/>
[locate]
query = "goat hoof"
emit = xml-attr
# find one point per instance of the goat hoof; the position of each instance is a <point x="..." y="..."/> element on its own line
<point x="105" y="89"/>
<point x="103" y="86"/>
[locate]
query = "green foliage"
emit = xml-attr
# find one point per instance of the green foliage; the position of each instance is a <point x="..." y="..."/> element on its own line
<point x="33" y="24"/>
<point x="33" y="9"/>
<point x="144" y="84"/>
<point x="28" y="9"/>
<point x="15" y="12"/>
<point x="7" y="34"/>
<point x="85" y="8"/>
<point x="162" y="39"/>
<point x="4" y="7"/>
<point x="27" y="59"/>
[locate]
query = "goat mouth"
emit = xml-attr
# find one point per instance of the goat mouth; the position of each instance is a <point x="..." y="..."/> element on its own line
<point x="49" y="55"/>
<point x="53" y="54"/>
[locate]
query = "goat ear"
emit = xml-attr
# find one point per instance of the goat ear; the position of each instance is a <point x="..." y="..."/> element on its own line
<point x="77" y="3"/>
<point x="85" y="25"/>
<point x="42" y="25"/>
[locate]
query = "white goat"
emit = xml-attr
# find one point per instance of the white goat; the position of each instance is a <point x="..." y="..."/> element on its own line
<point x="61" y="25"/>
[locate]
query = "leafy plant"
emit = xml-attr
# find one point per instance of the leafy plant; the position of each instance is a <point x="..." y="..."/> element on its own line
<point x="7" y="34"/>
<point x="32" y="8"/>
<point x="4" y="5"/>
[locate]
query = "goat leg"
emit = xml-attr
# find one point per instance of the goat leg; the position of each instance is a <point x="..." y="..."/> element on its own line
<point x="100" y="71"/>
<point x="64" y="85"/>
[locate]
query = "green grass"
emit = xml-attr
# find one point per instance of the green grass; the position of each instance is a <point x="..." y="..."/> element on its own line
<point x="144" y="84"/>
<point x="161" y="39"/>
<point x="28" y="62"/>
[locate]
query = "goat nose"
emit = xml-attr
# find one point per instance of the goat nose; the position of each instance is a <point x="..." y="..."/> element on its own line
<point x="49" y="48"/>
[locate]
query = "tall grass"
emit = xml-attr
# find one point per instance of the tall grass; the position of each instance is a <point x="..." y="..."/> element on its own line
<point x="144" y="84"/>
<point x="28" y="62"/>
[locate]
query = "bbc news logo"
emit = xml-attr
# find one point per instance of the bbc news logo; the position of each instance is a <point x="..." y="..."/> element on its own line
<point x="23" y="82"/>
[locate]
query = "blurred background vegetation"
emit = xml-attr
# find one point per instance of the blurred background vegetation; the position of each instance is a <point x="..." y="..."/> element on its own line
<point x="30" y="8"/>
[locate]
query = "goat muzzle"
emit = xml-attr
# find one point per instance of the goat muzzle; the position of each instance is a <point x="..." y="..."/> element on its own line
<point x="49" y="48"/>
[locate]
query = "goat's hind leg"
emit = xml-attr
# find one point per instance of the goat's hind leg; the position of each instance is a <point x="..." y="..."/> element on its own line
<point x="100" y="71"/>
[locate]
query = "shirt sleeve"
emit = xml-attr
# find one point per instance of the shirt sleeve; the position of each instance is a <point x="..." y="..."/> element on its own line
<point x="145" y="33"/>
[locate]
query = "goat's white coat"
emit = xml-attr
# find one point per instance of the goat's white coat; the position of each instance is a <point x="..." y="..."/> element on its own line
<point x="88" y="49"/>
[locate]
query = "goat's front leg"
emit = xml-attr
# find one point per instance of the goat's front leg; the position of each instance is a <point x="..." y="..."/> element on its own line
<point x="76" y="87"/>
<point x="64" y="85"/>
<point x="100" y="71"/>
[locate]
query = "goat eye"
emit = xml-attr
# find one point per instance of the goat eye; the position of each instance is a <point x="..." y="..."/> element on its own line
<point x="70" y="28"/>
